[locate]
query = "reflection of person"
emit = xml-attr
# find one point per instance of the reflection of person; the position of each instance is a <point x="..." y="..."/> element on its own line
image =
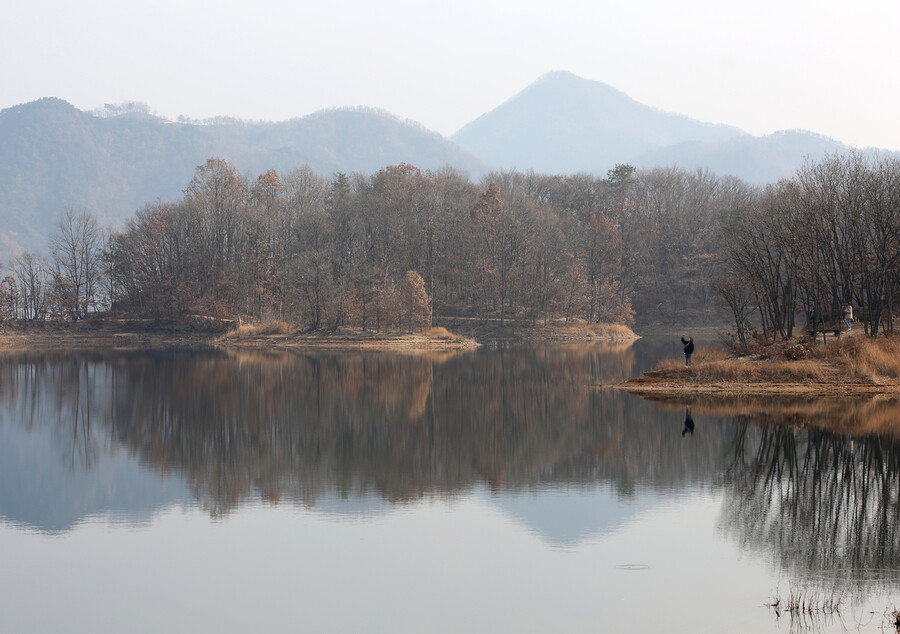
<point x="848" y="315"/>
<point x="688" y="422"/>
<point x="688" y="350"/>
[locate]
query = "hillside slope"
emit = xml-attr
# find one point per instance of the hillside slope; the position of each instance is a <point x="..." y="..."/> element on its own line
<point x="754" y="159"/>
<point x="566" y="124"/>
<point x="53" y="155"/>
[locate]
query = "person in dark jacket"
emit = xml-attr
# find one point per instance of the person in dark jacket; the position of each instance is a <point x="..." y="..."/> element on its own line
<point x="688" y="350"/>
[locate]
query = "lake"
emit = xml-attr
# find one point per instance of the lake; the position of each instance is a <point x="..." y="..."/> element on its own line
<point x="497" y="490"/>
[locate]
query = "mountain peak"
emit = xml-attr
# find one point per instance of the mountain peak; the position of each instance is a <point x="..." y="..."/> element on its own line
<point x="563" y="123"/>
<point x="564" y="77"/>
<point x="43" y="107"/>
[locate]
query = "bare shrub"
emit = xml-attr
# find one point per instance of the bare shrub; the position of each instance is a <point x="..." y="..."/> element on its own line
<point x="796" y="352"/>
<point x="416" y="303"/>
<point x="865" y="358"/>
<point x="439" y="332"/>
<point x="245" y="331"/>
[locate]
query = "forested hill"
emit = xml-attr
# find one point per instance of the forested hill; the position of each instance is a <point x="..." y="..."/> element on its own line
<point x="53" y="155"/>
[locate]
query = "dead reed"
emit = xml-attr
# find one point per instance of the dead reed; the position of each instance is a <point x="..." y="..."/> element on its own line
<point x="595" y="331"/>
<point x="441" y="333"/>
<point x="864" y="358"/>
<point x="246" y="331"/>
<point x="612" y="331"/>
<point x="713" y="364"/>
<point x="892" y="618"/>
<point x="806" y="604"/>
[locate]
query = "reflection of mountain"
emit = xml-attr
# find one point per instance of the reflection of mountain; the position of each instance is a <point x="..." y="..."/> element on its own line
<point x="565" y="517"/>
<point x="124" y="434"/>
<point x="45" y="485"/>
<point x="302" y="428"/>
<point x="339" y="506"/>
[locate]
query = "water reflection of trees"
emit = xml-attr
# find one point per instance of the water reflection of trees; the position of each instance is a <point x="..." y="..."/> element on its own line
<point x="64" y="397"/>
<point x="301" y="427"/>
<point x="304" y="426"/>
<point x="824" y="505"/>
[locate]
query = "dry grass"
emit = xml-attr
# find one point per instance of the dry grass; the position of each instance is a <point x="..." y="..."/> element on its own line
<point x="852" y="359"/>
<point x="439" y="332"/>
<point x="864" y="358"/>
<point x="245" y="331"/>
<point x="278" y="335"/>
<point x="604" y="331"/>
<point x="703" y="355"/>
<point x="849" y="358"/>
<point x="745" y="370"/>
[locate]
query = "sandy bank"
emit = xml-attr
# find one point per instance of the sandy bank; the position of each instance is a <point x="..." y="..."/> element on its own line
<point x="72" y="339"/>
<point x="347" y="339"/>
<point x="669" y="383"/>
<point x="81" y="339"/>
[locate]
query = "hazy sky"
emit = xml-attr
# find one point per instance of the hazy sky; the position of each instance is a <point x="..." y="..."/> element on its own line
<point x="829" y="67"/>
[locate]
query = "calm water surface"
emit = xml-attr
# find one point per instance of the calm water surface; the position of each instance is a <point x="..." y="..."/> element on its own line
<point x="489" y="491"/>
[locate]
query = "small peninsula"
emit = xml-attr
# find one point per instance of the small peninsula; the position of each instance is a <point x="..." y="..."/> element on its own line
<point x="854" y="365"/>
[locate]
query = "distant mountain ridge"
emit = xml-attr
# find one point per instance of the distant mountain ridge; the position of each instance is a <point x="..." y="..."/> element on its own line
<point x="564" y="124"/>
<point x="53" y="155"/>
<point x="754" y="159"/>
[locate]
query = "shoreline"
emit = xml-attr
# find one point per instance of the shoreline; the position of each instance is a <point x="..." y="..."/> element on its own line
<point x="860" y="415"/>
<point x="852" y="366"/>
<point x="108" y="340"/>
<point x="84" y="336"/>
<point x="641" y="386"/>
<point x="349" y="340"/>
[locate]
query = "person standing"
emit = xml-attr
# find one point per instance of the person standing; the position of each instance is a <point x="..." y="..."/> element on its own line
<point x="688" y="350"/>
<point x="848" y="315"/>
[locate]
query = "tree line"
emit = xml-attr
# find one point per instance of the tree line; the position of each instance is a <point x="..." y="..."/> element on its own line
<point x="384" y="250"/>
<point x="808" y="246"/>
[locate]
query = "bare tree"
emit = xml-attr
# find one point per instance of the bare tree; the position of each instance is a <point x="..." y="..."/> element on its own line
<point x="31" y="273"/>
<point x="9" y="298"/>
<point x="75" y="249"/>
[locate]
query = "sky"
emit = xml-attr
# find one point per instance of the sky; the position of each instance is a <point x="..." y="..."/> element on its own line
<point x="824" y="66"/>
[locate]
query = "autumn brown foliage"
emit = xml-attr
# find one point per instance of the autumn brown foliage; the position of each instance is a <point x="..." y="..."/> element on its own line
<point x="523" y="248"/>
<point x="380" y="252"/>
